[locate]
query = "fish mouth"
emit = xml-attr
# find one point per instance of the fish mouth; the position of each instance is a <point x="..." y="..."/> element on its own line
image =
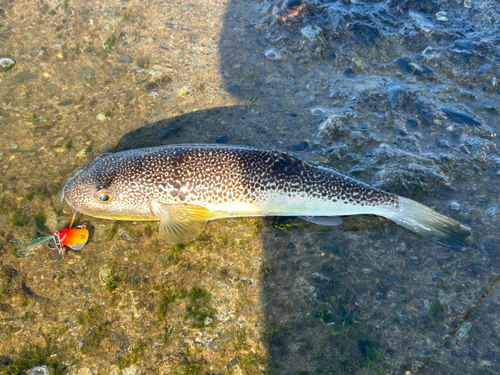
<point x="68" y="201"/>
<point x="72" y="178"/>
<point x="62" y="193"/>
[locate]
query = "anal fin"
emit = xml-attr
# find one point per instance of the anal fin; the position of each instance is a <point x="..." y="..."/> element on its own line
<point x="331" y="221"/>
<point x="179" y="223"/>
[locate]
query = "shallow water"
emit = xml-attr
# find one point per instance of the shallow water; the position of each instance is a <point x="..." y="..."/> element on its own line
<point x="403" y="95"/>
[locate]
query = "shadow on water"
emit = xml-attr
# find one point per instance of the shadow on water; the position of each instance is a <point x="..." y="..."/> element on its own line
<point x="335" y="300"/>
<point x="309" y="309"/>
<point x="229" y="125"/>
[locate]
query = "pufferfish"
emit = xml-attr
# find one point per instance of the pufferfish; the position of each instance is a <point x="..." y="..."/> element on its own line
<point x="185" y="186"/>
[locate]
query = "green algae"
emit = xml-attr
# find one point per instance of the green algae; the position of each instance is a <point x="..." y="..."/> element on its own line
<point x="187" y="368"/>
<point x="143" y="62"/>
<point x="167" y="299"/>
<point x="98" y="328"/>
<point x="199" y="309"/>
<point x="109" y="44"/>
<point x="40" y="219"/>
<point x="133" y="355"/>
<point x="29" y="357"/>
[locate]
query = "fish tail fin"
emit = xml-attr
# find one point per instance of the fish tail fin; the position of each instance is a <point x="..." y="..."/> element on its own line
<point x="429" y="223"/>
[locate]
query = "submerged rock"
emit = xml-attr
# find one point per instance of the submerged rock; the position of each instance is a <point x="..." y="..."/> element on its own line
<point x="6" y="63"/>
<point x="426" y="111"/>
<point x="412" y="67"/>
<point x="404" y="172"/>
<point x="489" y="247"/>
<point x="85" y="72"/>
<point x="460" y="117"/>
<point x="476" y="147"/>
<point x="39" y="370"/>
<point x="124" y="59"/>
<point x="423" y="23"/>
<point x="395" y="95"/>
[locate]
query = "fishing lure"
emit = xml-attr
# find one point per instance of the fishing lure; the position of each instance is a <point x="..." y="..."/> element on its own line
<point x="74" y="238"/>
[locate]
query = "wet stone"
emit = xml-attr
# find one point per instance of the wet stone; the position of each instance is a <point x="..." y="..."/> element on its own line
<point x="6" y="63"/>
<point x="311" y="32"/>
<point x="395" y="95"/>
<point x="21" y="77"/>
<point x="126" y="235"/>
<point x="132" y="370"/>
<point x="489" y="247"/>
<point x="117" y="71"/>
<point x="464" y="45"/>
<point x="85" y="72"/>
<point x="463" y="331"/>
<point x="460" y="116"/>
<point x="65" y="103"/>
<point x="393" y="277"/>
<point x="302" y="146"/>
<point x="39" y="370"/>
<point x="423" y="23"/>
<point x="425" y="111"/>
<point x="119" y="340"/>
<point x="36" y="52"/>
<point x="465" y="58"/>
<point x="413" y="123"/>
<point x="224" y="139"/>
<point x="412" y="67"/>
<point x="125" y="59"/>
<point x="330" y="55"/>
<point x="349" y="73"/>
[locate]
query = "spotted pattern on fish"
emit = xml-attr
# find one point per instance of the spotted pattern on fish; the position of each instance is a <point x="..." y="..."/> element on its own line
<point x="214" y="175"/>
<point x="184" y="186"/>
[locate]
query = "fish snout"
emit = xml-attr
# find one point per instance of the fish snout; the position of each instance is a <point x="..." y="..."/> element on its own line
<point x="66" y="195"/>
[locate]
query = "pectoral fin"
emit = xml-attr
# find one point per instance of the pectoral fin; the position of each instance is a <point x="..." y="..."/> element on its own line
<point x="179" y="223"/>
<point x="331" y="221"/>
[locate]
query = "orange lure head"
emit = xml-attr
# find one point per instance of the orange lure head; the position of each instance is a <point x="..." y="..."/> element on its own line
<point x="74" y="238"/>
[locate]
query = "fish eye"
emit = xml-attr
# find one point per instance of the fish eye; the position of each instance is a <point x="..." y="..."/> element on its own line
<point x="104" y="195"/>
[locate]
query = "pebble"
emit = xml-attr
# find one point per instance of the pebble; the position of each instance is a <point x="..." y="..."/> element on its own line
<point x="14" y="146"/>
<point x="463" y="331"/>
<point x="468" y="4"/>
<point x="395" y="95"/>
<point x="422" y="22"/>
<point x="330" y="55"/>
<point x="460" y="116"/>
<point x="318" y="111"/>
<point x="124" y="59"/>
<point x="489" y="247"/>
<point x="6" y="63"/>
<point x="185" y="91"/>
<point x="466" y="45"/>
<point x="272" y="54"/>
<point x="349" y="73"/>
<point x="39" y="370"/>
<point x="101" y="117"/>
<point x="20" y="77"/>
<point x="85" y="72"/>
<point x="126" y="235"/>
<point x="425" y="111"/>
<point x="311" y="32"/>
<point x="412" y="67"/>
<point x="430" y="53"/>
<point x="442" y="16"/>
